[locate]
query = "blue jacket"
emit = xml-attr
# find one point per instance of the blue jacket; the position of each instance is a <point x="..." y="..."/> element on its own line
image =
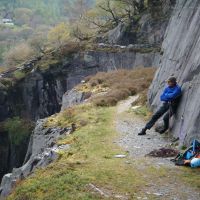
<point x="170" y="93"/>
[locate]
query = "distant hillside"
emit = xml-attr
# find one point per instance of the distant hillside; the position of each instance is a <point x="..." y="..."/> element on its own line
<point x="48" y="10"/>
<point x="32" y="20"/>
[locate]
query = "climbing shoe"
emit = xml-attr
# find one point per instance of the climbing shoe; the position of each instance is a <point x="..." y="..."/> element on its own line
<point x="143" y="132"/>
<point x="163" y="130"/>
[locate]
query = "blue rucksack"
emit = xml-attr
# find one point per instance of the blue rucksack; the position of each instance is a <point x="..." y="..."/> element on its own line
<point x="190" y="153"/>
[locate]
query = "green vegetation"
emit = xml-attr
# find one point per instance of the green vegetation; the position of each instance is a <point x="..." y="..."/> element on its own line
<point x="19" y="75"/>
<point x="89" y="160"/>
<point x="77" y="114"/>
<point x="42" y="25"/>
<point x="18" y="129"/>
<point x="41" y="10"/>
<point x="32" y="21"/>
<point x="142" y="111"/>
<point x="47" y="64"/>
<point x="191" y="177"/>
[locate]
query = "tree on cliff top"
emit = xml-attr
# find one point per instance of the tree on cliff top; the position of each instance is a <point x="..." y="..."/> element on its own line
<point x="19" y="54"/>
<point x="106" y="15"/>
<point x="121" y="10"/>
<point x="59" y="35"/>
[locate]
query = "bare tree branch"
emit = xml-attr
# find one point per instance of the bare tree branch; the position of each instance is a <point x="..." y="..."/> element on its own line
<point x="109" y="10"/>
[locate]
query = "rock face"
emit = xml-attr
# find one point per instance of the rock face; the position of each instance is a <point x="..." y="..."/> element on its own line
<point x="4" y="108"/>
<point x="71" y="98"/>
<point x="37" y="96"/>
<point x="40" y="93"/>
<point x="153" y="24"/>
<point x="152" y="31"/>
<point x="11" y="154"/>
<point x="181" y="58"/>
<point x="4" y="153"/>
<point x="116" y="60"/>
<point x="148" y="28"/>
<point x="115" y="36"/>
<point x="42" y="150"/>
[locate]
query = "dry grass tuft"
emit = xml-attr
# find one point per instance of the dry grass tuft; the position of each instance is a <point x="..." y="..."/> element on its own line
<point x="121" y="83"/>
<point x="69" y="48"/>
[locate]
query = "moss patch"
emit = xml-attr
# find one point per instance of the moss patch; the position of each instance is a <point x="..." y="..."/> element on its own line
<point x="19" y="75"/>
<point x="18" y="129"/>
<point x="47" y="63"/>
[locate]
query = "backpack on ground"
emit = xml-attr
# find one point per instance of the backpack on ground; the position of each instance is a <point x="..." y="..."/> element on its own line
<point x="190" y="153"/>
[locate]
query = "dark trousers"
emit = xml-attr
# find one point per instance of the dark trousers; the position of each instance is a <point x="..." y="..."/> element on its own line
<point x="166" y="109"/>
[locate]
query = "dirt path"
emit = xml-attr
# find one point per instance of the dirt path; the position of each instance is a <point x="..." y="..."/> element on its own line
<point x="163" y="178"/>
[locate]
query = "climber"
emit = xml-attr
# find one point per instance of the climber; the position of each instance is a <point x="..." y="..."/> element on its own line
<point x="170" y="98"/>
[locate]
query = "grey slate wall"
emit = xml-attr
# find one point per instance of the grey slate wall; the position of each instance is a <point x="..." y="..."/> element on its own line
<point x="181" y="57"/>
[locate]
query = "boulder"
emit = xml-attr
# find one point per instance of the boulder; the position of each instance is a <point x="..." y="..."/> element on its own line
<point x="71" y="98"/>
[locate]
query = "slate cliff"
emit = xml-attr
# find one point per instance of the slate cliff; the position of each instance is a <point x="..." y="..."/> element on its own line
<point x="181" y="58"/>
<point x="39" y="94"/>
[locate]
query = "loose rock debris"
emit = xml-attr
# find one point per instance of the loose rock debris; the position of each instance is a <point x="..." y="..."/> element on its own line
<point x="163" y="152"/>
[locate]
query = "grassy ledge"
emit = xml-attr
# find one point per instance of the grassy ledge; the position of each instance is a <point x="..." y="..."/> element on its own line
<point x="89" y="160"/>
